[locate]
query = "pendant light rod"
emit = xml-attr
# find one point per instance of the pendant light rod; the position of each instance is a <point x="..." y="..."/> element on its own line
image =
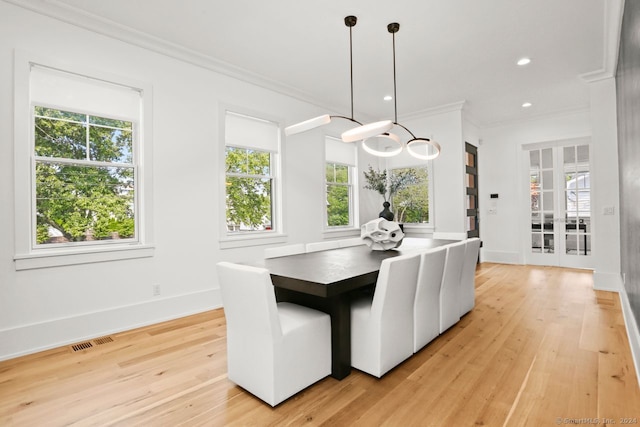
<point x="350" y="21"/>
<point x="417" y="146"/>
<point x="393" y="28"/>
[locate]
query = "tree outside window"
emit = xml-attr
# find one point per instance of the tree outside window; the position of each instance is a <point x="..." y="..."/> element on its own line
<point x="411" y="203"/>
<point x="338" y="184"/>
<point x="84" y="177"/>
<point x="248" y="189"/>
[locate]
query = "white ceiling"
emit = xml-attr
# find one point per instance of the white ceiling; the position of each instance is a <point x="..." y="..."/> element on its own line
<point x="447" y="50"/>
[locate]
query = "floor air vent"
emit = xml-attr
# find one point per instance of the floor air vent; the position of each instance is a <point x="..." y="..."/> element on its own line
<point x="90" y="344"/>
<point x="103" y="340"/>
<point x="82" y="346"/>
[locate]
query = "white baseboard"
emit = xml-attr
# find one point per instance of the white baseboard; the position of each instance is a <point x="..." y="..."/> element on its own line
<point x="27" y="339"/>
<point x="632" y="332"/>
<point x="611" y="282"/>
<point x="500" y="257"/>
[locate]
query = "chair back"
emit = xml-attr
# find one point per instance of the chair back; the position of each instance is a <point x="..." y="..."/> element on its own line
<point x="468" y="277"/>
<point x="278" y="251"/>
<point x="250" y="308"/>
<point x="450" y="288"/>
<point x="392" y="307"/>
<point x="426" y="309"/>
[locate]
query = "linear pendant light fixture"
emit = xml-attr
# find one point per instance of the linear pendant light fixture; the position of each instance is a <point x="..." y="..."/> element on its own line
<point x="388" y="145"/>
<point x="376" y="138"/>
<point x="369" y="130"/>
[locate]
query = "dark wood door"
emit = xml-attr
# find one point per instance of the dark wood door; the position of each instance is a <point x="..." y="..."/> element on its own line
<point x="471" y="180"/>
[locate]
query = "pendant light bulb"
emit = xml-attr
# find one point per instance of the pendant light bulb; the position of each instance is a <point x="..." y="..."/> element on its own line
<point x="416" y="145"/>
<point x="308" y="125"/>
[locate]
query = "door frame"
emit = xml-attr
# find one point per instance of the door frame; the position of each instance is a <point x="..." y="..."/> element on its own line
<point x="556" y="259"/>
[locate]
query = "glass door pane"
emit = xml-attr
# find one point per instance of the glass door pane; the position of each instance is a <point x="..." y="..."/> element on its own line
<point x="577" y="200"/>
<point x="541" y="188"/>
<point x="560" y="228"/>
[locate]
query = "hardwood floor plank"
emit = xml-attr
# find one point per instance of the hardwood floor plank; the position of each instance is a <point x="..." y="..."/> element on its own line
<point x="540" y="345"/>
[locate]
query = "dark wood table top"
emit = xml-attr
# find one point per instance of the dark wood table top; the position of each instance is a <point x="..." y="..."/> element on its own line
<point x="331" y="272"/>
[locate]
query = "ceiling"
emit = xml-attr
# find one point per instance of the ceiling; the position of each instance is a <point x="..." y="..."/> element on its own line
<point x="447" y="51"/>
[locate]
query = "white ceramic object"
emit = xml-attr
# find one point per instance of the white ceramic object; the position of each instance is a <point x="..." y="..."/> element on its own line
<point x="381" y="235"/>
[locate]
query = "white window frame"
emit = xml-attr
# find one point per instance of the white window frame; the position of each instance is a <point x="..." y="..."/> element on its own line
<point x="228" y="239"/>
<point x="28" y="255"/>
<point x="351" y="161"/>
<point x="403" y="162"/>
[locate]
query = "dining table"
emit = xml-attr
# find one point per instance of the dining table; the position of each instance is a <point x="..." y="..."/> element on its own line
<point x="328" y="280"/>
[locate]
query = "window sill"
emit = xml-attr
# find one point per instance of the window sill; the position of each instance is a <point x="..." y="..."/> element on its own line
<point x="58" y="258"/>
<point x="242" y="241"/>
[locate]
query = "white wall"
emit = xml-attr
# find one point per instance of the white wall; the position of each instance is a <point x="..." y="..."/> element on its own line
<point x="43" y="308"/>
<point x="501" y="172"/>
<point x="606" y="188"/>
<point x="448" y="169"/>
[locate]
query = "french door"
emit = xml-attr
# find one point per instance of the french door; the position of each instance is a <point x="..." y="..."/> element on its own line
<point x="559" y="227"/>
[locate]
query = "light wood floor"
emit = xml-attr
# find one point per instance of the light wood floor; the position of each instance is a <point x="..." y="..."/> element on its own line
<point x="541" y="348"/>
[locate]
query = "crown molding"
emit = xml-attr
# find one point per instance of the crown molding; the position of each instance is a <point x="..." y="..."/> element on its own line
<point x="547" y="115"/>
<point x="432" y="111"/>
<point x="62" y="12"/>
<point x="613" y="11"/>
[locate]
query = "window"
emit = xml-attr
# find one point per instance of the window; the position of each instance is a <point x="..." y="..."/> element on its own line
<point x="84" y="177"/>
<point x="338" y="195"/>
<point x="81" y="192"/>
<point x="340" y="175"/>
<point x="250" y="163"/>
<point x="411" y="203"/>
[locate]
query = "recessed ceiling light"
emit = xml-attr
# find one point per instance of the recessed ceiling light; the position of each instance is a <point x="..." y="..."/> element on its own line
<point x="388" y="98"/>
<point x="524" y="61"/>
<point x="527" y="105"/>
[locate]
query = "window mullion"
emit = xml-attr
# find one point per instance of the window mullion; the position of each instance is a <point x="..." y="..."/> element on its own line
<point x="88" y="136"/>
<point x="80" y="162"/>
<point x="246" y="175"/>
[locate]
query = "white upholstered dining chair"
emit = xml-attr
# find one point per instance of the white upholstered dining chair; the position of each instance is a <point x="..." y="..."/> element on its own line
<point x="450" y="288"/>
<point x="274" y="350"/>
<point x="277" y="251"/>
<point x="382" y="325"/>
<point x="322" y="246"/>
<point x="468" y="277"/>
<point x="426" y="308"/>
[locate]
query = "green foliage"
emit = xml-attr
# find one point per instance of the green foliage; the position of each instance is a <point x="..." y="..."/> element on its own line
<point x="337" y="178"/>
<point x="248" y="186"/>
<point x="411" y="202"/>
<point x="81" y="199"/>
<point x="376" y="181"/>
<point x="337" y="205"/>
<point x="388" y="185"/>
